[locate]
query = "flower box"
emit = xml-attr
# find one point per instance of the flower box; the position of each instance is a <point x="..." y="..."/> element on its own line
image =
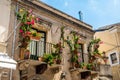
<point x="35" y="38"/>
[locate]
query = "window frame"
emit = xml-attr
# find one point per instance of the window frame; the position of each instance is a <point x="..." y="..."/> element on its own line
<point x="117" y="58"/>
<point x="82" y="53"/>
<point x="40" y="40"/>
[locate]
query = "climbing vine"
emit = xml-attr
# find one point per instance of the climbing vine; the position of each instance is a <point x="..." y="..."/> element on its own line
<point x="74" y="45"/>
<point x="93" y="51"/>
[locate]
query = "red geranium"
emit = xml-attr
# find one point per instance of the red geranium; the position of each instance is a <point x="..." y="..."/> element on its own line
<point x="21" y="31"/>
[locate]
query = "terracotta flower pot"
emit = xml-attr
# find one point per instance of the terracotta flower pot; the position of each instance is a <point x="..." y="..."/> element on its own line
<point x="58" y="61"/>
<point x="40" y="59"/>
<point x="35" y="38"/>
<point x="84" y="67"/>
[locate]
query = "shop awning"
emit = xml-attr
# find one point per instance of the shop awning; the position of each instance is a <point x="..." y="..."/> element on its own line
<point x="6" y="61"/>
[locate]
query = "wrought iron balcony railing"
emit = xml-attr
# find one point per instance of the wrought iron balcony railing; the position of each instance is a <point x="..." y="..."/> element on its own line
<point x="39" y="48"/>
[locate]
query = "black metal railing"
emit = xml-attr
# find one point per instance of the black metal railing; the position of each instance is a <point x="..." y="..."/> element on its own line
<point x="39" y="48"/>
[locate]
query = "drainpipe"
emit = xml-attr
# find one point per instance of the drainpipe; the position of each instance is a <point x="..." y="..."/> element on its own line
<point x="14" y="39"/>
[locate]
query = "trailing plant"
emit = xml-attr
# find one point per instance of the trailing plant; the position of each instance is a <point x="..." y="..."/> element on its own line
<point x="52" y="58"/>
<point x="90" y="66"/>
<point x="74" y="45"/>
<point x="58" y="48"/>
<point x="55" y="56"/>
<point x="93" y="47"/>
<point x="27" y="19"/>
<point x="62" y="35"/>
<point x="93" y="51"/>
<point x="48" y="58"/>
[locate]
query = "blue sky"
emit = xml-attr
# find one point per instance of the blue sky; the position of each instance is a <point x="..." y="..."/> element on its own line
<point x="97" y="13"/>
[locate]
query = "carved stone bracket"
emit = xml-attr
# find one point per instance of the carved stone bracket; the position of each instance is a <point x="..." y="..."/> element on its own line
<point x="55" y="68"/>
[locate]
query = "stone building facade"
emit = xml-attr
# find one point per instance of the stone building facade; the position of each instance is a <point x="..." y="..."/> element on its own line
<point x="52" y="22"/>
<point x="110" y="35"/>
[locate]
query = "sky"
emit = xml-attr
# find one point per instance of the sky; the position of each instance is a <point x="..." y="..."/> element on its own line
<point x="97" y="13"/>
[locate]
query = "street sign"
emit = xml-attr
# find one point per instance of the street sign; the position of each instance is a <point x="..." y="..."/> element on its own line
<point x="6" y="61"/>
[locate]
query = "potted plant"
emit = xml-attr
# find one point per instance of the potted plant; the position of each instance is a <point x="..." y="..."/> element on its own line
<point x="48" y="58"/>
<point x="40" y="58"/>
<point x="26" y="54"/>
<point x="83" y="66"/>
<point x="89" y="66"/>
<point x="58" y="59"/>
<point x="35" y="35"/>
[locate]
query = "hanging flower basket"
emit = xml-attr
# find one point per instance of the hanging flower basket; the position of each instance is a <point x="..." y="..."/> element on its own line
<point x="35" y="35"/>
<point x="35" y="38"/>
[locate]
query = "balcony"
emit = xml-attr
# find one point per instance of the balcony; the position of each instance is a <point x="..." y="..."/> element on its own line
<point x="39" y="48"/>
<point x="36" y="49"/>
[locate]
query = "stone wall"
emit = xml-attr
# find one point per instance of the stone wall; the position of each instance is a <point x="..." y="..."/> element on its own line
<point x="116" y="72"/>
<point x="105" y="71"/>
<point x="53" y="36"/>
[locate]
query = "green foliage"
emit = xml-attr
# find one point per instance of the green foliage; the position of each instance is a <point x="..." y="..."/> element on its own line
<point x="89" y="66"/>
<point x="38" y="34"/>
<point x="48" y="58"/>
<point x="22" y="15"/>
<point x="51" y="58"/>
<point x="95" y="41"/>
<point x="74" y="58"/>
<point x="94" y="52"/>
<point x="82" y="65"/>
<point x="95" y="45"/>
<point x="62" y="36"/>
<point x="62" y="32"/>
<point x="73" y="44"/>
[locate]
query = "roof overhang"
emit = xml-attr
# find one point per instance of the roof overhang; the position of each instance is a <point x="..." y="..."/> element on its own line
<point x="59" y="13"/>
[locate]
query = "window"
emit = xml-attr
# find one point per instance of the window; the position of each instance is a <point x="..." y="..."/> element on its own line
<point x="80" y="50"/>
<point x="114" y="58"/>
<point x="37" y="48"/>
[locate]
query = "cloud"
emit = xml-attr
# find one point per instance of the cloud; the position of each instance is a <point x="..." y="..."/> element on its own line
<point x="116" y="3"/>
<point x="93" y="4"/>
<point x="66" y="3"/>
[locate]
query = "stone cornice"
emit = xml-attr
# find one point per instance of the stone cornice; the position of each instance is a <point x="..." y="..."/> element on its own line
<point x="57" y="13"/>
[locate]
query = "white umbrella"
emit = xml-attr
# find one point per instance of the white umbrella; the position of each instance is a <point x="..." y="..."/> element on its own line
<point x="6" y="61"/>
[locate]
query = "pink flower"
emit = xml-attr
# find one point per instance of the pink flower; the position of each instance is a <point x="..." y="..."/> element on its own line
<point x="78" y="54"/>
<point x="79" y="59"/>
<point x="33" y="16"/>
<point x="28" y="23"/>
<point x="37" y="19"/>
<point x="28" y="32"/>
<point x="30" y="11"/>
<point x="32" y="22"/>
<point x="101" y="42"/>
<point x="21" y="30"/>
